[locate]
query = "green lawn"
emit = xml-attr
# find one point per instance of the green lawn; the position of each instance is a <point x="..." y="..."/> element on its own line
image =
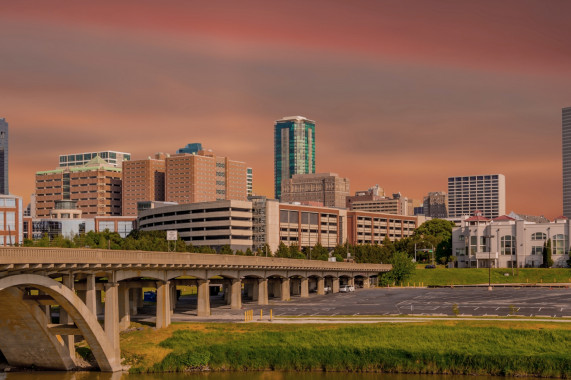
<point x="467" y="276"/>
<point x="457" y="347"/>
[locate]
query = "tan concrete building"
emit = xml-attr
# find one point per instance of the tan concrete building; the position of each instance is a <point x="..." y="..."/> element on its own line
<point x="204" y="177"/>
<point x="328" y="189"/>
<point x="96" y="186"/>
<point x="372" y="227"/>
<point x="308" y="225"/>
<point x="143" y="180"/>
<point x="374" y="200"/>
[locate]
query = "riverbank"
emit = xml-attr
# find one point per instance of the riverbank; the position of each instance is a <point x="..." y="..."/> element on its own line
<point x="469" y="276"/>
<point x="454" y="347"/>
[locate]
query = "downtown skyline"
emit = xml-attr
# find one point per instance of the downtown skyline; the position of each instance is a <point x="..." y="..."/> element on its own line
<point x="404" y="94"/>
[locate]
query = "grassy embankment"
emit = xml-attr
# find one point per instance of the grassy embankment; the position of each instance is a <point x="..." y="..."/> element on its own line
<point x="456" y="347"/>
<point x="468" y="276"/>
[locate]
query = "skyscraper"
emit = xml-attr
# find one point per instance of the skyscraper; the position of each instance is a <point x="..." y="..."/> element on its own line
<point x="484" y="193"/>
<point x="566" y="127"/>
<point x="294" y="149"/>
<point x="3" y="157"/>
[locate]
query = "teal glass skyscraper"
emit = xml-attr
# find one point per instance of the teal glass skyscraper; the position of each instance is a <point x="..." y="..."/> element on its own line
<point x="294" y="149"/>
<point x="4" y="157"/>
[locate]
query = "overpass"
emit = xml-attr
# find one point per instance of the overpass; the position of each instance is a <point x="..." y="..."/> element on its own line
<point x="87" y="283"/>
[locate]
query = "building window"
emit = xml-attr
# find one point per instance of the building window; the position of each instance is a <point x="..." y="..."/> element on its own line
<point x="473" y="244"/>
<point x="559" y="246"/>
<point x="537" y="250"/>
<point x="507" y="245"/>
<point x="538" y="236"/>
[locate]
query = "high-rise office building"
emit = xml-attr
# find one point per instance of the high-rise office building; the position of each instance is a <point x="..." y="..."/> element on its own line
<point x="294" y="149"/>
<point x="566" y="127"/>
<point x="484" y="193"/>
<point x="3" y="157"/>
<point x="143" y="180"/>
<point x="78" y="159"/>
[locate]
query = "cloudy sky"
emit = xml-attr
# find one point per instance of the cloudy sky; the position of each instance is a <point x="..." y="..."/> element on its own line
<point x="405" y="93"/>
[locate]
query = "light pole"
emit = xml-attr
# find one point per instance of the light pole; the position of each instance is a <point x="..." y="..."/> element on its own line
<point x="490" y="262"/>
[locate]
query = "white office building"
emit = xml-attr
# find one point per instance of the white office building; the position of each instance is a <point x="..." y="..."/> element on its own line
<point x="509" y="241"/>
<point x="486" y="193"/>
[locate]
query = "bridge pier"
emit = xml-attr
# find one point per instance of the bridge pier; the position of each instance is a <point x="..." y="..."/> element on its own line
<point x="255" y="288"/>
<point x="227" y="290"/>
<point x="173" y="298"/>
<point x="203" y="298"/>
<point x="98" y="303"/>
<point x="262" y="291"/>
<point x="163" y="305"/>
<point x="91" y="294"/>
<point x="321" y="286"/>
<point x="133" y="300"/>
<point x="304" y="287"/>
<point x="285" y="290"/>
<point x="124" y="307"/>
<point x="335" y="285"/>
<point x="236" y="294"/>
<point x="111" y="322"/>
<point x="366" y="282"/>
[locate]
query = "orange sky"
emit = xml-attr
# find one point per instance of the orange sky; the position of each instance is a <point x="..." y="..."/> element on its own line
<point x="405" y="93"/>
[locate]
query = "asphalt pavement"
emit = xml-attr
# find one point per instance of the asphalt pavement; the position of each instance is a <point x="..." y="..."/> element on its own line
<point x="467" y="302"/>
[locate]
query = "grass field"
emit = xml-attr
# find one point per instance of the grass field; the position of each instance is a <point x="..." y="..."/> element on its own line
<point x="468" y="276"/>
<point x="456" y="347"/>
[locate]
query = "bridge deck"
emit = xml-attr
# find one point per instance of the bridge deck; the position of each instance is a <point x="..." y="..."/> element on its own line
<point x="32" y="259"/>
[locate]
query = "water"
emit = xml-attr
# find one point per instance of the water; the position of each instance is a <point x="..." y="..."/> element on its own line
<point x="268" y="375"/>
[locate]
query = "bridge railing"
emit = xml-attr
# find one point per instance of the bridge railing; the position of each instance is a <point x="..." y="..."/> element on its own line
<point x="29" y="255"/>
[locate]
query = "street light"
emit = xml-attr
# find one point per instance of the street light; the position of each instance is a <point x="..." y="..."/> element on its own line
<point x="490" y="262"/>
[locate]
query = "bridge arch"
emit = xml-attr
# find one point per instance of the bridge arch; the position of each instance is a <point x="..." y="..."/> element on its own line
<point x="103" y="350"/>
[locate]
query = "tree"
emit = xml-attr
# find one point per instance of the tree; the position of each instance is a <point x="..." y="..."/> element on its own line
<point x="226" y="250"/>
<point x="435" y="233"/>
<point x="249" y="252"/>
<point x="295" y="253"/>
<point x="387" y="250"/>
<point x="547" y="260"/>
<point x="319" y="252"/>
<point x="283" y="251"/>
<point x="403" y="268"/>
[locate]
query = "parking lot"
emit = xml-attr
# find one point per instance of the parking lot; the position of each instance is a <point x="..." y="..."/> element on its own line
<point x="527" y="302"/>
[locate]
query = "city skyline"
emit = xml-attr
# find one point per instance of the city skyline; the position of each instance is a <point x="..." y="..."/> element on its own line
<point x="400" y="100"/>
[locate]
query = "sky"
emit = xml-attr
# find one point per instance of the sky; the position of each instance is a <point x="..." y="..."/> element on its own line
<point x="405" y="93"/>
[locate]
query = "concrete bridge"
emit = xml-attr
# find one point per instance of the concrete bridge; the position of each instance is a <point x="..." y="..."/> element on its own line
<point x="87" y="283"/>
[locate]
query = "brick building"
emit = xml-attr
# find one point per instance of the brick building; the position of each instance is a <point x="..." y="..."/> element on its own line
<point x="95" y="186"/>
<point x="204" y="177"/>
<point x="143" y="180"/>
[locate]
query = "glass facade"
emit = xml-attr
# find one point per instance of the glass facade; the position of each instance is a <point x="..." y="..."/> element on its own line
<point x="111" y="157"/>
<point x="3" y="157"/>
<point x="294" y="149"/>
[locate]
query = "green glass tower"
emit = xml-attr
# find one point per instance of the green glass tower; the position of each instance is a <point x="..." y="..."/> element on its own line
<point x="294" y="149"/>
